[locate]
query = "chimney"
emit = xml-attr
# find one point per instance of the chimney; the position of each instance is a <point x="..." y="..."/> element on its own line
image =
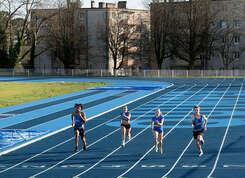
<point x="102" y="5"/>
<point x="110" y="5"/>
<point x="122" y="4"/>
<point x="92" y="4"/>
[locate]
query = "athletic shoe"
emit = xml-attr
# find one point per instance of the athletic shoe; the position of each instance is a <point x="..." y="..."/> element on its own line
<point x="76" y="149"/>
<point x="160" y="150"/>
<point x="123" y="144"/>
<point x="84" y="147"/>
<point x="156" y="149"/>
<point x="129" y="137"/>
<point x="200" y="154"/>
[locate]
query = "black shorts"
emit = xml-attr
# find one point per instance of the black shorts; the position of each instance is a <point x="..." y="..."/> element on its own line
<point x="80" y="130"/>
<point x="196" y="133"/>
<point x="127" y="126"/>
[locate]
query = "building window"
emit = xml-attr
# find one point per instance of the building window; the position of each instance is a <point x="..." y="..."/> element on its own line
<point x="236" y="54"/>
<point x="125" y="16"/>
<point x="223" y="39"/>
<point x="113" y="14"/>
<point x="236" y="23"/>
<point x="223" y="24"/>
<point x="236" y="39"/>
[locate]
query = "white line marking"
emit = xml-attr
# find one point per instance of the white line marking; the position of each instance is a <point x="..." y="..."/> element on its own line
<point x="7" y="115"/>
<point x="101" y="138"/>
<point x="153" y="166"/>
<point x="166" y="134"/>
<point x="113" y="166"/>
<point x="226" y="131"/>
<point x="137" y="134"/>
<point x="233" y="166"/>
<point x="172" y="168"/>
<point x="86" y="131"/>
<point x="193" y="166"/>
<point x="65" y="128"/>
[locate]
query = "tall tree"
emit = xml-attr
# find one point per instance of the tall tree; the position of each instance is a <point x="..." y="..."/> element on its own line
<point x="161" y="15"/>
<point x="118" y="35"/>
<point x="65" y="35"/>
<point x="15" y="23"/>
<point x="190" y="29"/>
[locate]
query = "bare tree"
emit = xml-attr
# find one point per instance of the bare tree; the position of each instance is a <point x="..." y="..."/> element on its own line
<point x="36" y="37"/>
<point x="190" y="30"/>
<point x="118" y="35"/>
<point x="161" y="15"/>
<point x="15" y="23"/>
<point x="65" y="36"/>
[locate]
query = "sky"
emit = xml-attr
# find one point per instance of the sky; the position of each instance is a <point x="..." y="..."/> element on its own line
<point x="131" y="4"/>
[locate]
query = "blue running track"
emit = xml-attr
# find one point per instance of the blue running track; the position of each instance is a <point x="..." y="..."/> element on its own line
<point x="49" y="152"/>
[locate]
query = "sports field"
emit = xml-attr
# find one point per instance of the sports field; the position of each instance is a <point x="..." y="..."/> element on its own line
<point x="46" y="146"/>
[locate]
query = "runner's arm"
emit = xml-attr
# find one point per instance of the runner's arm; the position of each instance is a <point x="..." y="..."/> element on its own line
<point x="192" y="119"/>
<point x="83" y="117"/>
<point x="162" y="121"/>
<point x="72" y="120"/>
<point x="205" y="122"/>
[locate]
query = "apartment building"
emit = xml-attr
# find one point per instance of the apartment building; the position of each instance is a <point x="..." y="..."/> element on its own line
<point x="91" y="26"/>
<point x="226" y="34"/>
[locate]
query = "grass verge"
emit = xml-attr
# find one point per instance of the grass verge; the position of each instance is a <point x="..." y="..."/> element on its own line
<point x="13" y="93"/>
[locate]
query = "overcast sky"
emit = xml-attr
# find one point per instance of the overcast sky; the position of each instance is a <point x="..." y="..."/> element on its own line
<point x="131" y="4"/>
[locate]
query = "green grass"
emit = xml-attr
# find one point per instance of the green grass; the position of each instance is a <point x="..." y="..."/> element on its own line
<point x="13" y="93"/>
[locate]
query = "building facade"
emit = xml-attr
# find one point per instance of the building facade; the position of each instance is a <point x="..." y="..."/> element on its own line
<point x="224" y="40"/>
<point x="91" y="33"/>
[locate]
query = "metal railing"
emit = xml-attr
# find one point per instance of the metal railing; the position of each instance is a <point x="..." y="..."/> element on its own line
<point x="124" y="73"/>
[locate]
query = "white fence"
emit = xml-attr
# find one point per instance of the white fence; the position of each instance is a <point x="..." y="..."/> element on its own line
<point x="125" y="73"/>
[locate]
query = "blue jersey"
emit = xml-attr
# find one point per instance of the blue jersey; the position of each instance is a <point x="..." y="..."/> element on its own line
<point x="78" y="121"/>
<point x="198" y="123"/>
<point x="159" y="119"/>
<point x="124" y="118"/>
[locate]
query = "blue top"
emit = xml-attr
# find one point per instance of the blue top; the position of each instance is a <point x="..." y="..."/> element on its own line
<point x="159" y="119"/>
<point x="198" y="123"/>
<point x="124" y="118"/>
<point x="78" y="121"/>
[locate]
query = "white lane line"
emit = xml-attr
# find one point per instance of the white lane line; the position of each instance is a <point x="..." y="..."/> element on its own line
<point x="233" y="166"/>
<point x="7" y="115"/>
<point x="142" y="132"/>
<point x="124" y="173"/>
<point x="109" y="154"/>
<point x="65" y="128"/>
<point x="193" y="166"/>
<point x="105" y="136"/>
<point x="174" y="165"/>
<point x="226" y="131"/>
<point x="86" y="131"/>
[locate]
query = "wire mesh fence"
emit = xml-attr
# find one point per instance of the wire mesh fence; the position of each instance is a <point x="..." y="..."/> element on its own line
<point x="124" y="73"/>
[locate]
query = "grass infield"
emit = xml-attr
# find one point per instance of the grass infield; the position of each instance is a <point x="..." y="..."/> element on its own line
<point x="13" y="93"/>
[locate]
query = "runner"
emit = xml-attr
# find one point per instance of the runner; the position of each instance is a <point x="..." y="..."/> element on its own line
<point x="125" y="124"/>
<point x="78" y="121"/>
<point x="157" y="123"/>
<point x="199" y="124"/>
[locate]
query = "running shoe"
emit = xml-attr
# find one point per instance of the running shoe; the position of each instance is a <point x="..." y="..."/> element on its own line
<point x="76" y="149"/>
<point x="84" y="147"/>
<point x="123" y="144"/>
<point x="200" y="154"/>
<point x="160" y="150"/>
<point x="129" y="137"/>
<point x="156" y="149"/>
